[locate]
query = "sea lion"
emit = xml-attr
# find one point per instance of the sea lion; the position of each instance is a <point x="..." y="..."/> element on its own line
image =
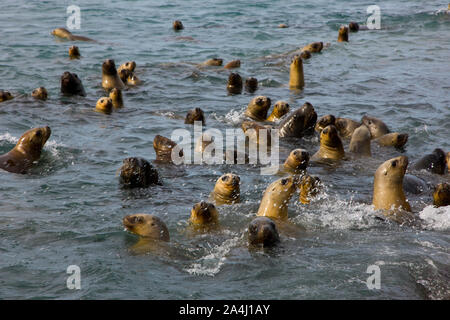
<point x="414" y="185"/>
<point x="346" y="127"/>
<point x="299" y="123"/>
<point x="5" y="96"/>
<point x="147" y="225"/>
<point x="251" y="84"/>
<point x="234" y="84"/>
<point x="232" y="64"/>
<point x="297" y="162"/>
<point x="305" y="54"/>
<point x="40" y="93"/>
<point x="27" y="150"/>
<point x="355" y="27"/>
<point x="280" y="108"/>
<point x="254" y="131"/>
<point x="330" y="145"/>
<point x="137" y="173"/>
<point x="433" y="162"/>
<point x="104" y="104"/>
<point x="447" y="159"/>
<point x="66" y="34"/>
<point x="343" y="34"/>
<point x="163" y="148"/>
<point x="360" y="141"/>
<point x="74" y="52"/>
<point x="204" y="213"/>
<point x="262" y="231"/>
<point x="257" y="108"/>
<point x="394" y="139"/>
<point x="124" y="74"/>
<point x="283" y="25"/>
<point x="274" y="203"/>
<point x="377" y="127"/>
<point x="133" y="80"/>
<point x="296" y="77"/>
<point x="215" y="62"/>
<point x="314" y="47"/>
<point x="193" y="115"/>
<point x="116" y="97"/>
<point x="177" y="25"/>
<point x="129" y="65"/>
<point x="309" y="187"/>
<point x="71" y="84"/>
<point x="110" y="78"/>
<point x="324" y="121"/>
<point x="441" y="195"/>
<point x="226" y="190"/>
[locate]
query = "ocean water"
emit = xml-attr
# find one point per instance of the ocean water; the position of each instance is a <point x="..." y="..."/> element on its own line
<point x="68" y="210"/>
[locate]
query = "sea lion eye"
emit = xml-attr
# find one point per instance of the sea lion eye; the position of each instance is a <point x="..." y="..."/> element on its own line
<point x="224" y="178"/>
<point x="394" y="163"/>
<point x="284" y="181"/>
<point x="38" y="133"/>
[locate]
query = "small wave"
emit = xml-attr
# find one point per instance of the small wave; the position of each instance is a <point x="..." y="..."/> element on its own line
<point x="233" y="117"/>
<point x="9" y="138"/>
<point x="436" y="218"/>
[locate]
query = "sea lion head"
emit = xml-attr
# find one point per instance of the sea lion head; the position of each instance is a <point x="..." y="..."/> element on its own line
<point x="233" y="64"/>
<point x="399" y="139"/>
<point x="109" y="67"/>
<point x="305" y="54"/>
<point x="309" y="187"/>
<point x="280" y="108"/>
<point x="116" y="97"/>
<point x="441" y="195"/>
<point x="346" y="127"/>
<point x="133" y="80"/>
<point x="376" y="126"/>
<point x="61" y="32"/>
<point x="228" y="187"/>
<point x="147" y="225"/>
<point x="193" y="115"/>
<point x="314" y="47"/>
<point x="296" y="60"/>
<point x="263" y="231"/>
<point x="5" y="95"/>
<point x="258" y="107"/>
<point x="434" y="162"/>
<point x="124" y="75"/>
<point x="343" y="34"/>
<point x="104" y="104"/>
<point x="392" y="171"/>
<point x="215" y="62"/>
<point x="324" y="122"/>
<point x="32" y="141"/>
<point x="204" y="213"/>
<point x="298" y="160"/>
<point x="234" y="84"/>
<point x="329" y="138"/>
<point x="71" y="84"/>
<point x="40" y="93"/>
<point x="74" y="52"/>
<point x="310" y="117"/>
<point x="163" y="147"/>
<point x="353" y="26"/>
<point x="177" y="25"/>
<point x="129" y="65"/>
<point x="251" y="84"/>
<point x="137" y="173"/>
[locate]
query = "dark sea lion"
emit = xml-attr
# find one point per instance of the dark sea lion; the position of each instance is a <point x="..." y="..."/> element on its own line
<point x="393" y="139"/>
<point x="262" y="231"/>
<point x="330" y="145"/>
<point x="146" y="225"/>
<point x="324" y="121"/>
<point x="305" y="54"/>
<point x="274" y="203"/>
<point x="360" y="142"/>
<point x="234" y="84"/>
<point x="193" y="115"/>
<point x="441" y="195"/>
<point x="434" y="162"/>
<point x="346" y="127"/>
<point x="110" y="77"/>
<point x="163" y="148"/>
<point x="257" y="108"/>
<point x="40" y="93"/>
<point x="233" y="64"/>
<point x="137" y="173"/>
<point x="309" y="188"/>
<point x="251" y="84"/>
<point x="27" y="150"/>
<point x="124" y="74"/>
<point x="414" y="185"/>
<point x="66" y="34"/>
<point x="177" y="25"/>
<point x="377" y="127"/>
<point x="204" y="213"/>
<point x="5" y="96"/>
<point x="280" y="108"/>
<point x="298" y="161"/>
<point x="74" y="52"/>
<point x="314" y="47"/>
<point x="299" y="123"/>
<point x="71" y="84"/>
<point x="104" y="104"/>
<point x="226" y="190"/>
<point x="296" y="77"/>
<point x="116" y="97"/>
<point x="343" y="34"/>
<point x="355" y="27"/>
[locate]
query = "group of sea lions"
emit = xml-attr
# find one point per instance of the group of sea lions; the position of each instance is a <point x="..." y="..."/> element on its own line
<point x="389" y="182"/>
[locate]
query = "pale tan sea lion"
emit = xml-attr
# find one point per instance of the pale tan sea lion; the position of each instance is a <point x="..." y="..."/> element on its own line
<point x="314" y="47"/>
<point x="5" y="96"/>
<point x="27" y="151"/>
<point x="263" y="232"/>
<point x="274" y="203"/>
<point x="296" y="77"/>
<point x="163" y="148"/>
<point x="343" y="34"/>
<point x="330" y="145"/>
<point x="116" y="97"/>
<point x="297" y="162"/>
<point x="203" y="214"/>
<point x="129" y="65"/>
<point x="226" y="190"/>
<point x="193" y="115"/>
<point x="324" y="121"/>
<point x="280" y="108"/>
<point x="137" y="173"/>
<point x="360" y="142"/>
<point x="177" y="25"/>
<point x="233" y="64"/>
<point x="309" y="188"/>
<point x="133" y="80"/>
<point x="257" y="108"/>
<point x="346" y="127"/>
<point x="110" y="77"/>
<point x="104" y="104"/>
<point x="40" y="93"/>
<point x="234" y="84"/>
<point x="74" y="52"/>
<point x="66" y="34"/>
<point x="215" y="62"/>
<point x="393" y="139"/>
<point x="377" y="127"/>
<point x="441" y="195"/>
<point x="146" y="225"/>
<point x="283" y="26"/>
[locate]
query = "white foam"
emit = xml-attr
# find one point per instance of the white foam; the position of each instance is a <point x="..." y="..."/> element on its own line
<point x="8" y="137"/>
<point x="436" y="218"/>
<point x="233" y="117"/>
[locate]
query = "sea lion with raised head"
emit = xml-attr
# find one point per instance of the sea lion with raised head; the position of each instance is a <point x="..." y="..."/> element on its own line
<point x="163" y="148"/>
<point x="104" y="104"/>
<point x="251" y="84"/>
<point x="343" y="34"/>
<point x="233" y="64"/>
<point x="124" y="74"/>
<point x="129" y="65"/>
<point x="71" y="84"/>
<point x="314" y="47"/>
<point x="393" y="139"/>
<point x="204" y="213"/>
<point x="133" y="80"/>
<point x="177" y="25"/>
<point x="377" y="127"/>
<point x="441" y="195"/>
<point x="360" y="141"/>
<point x="309" y="188"/>
<point x="226" y="190"/>
<point x="274" y="203"/>
<point x="346" y="127"/>
<point x="324" y="121"/>
<point x="40" y="93"/>
<point x="262" y="231"/>
<point x="296" y="77"/>
<point x="137" y="173"/>
<point x="305" y="55"/>
<point x="280" y="108"/>
<point x="297" y="162"/>
<point x="74" y="52"/>
<point x="27" y="151"/>
<point x="5" y="96"/>
<point x="147" y="226"/>
<point x="110" y="77"/>
<point x="193" y="115"/>
<point x="301" y="122"/>
<point x="330" y="145"/>
<point x="257" y="108"/>
<point x="116" y="97"/>
<point x="434" y="162"/>
<point x="234" y="84"/>
<point x="66" y="34"/>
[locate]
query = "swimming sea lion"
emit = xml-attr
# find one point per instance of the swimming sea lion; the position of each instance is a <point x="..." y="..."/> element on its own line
<point x="66" y="34"/>
<point x="330" y="145"/>
<point x="346" y="127"/>
<point x="177" y="25"/>
<point x="343" y="34"/>
<point x="360" y="141"/>
<point x="104" y="104"/>
<point x="71" y="84"/>
<point x="309" y="187"/>
<point x="233" y="64"/>
<point x="274" y="203"/>
<point x="324" y="121"/>
<point x="137" y="173"/>
<point x="215" y="62"/>
<point x="226" y="190"/>
<point x="441" y="195"/>
<point x="283" y="25"/>
<point x="262" y="231"/>
<point x="110" y="78"/>
<point x="74" y="52"/>
<point x="147" y="225"/>
<point x="314" y="47"/>
<point x="299" y="123"/>
<point x="257" y="108"/>
<point x="234" y="84"/>
<point x="204" y="213"/>
<point x="433" y="162"/>
<point x="5" y="95"/>
<point x="40" y="93"/>
<point x="393" y="139"/>
<point x="280" y="108"/>
<point x="27" y="150"/>
<point x="251" y="84"/>
<point x="129" y="65"/>
<point x="305" y="54"/>
<point x="116" y="97"/>
<point x="355" y="27"/>
<point x="297" y="161"/>
<point x="377" y="127"/>
<point x="193" y="115"/>
<point x="163" y="148"/>
<point x="296" y="77"/>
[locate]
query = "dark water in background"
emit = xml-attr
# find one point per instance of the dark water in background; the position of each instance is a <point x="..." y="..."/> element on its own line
<point x="69" y="209"/>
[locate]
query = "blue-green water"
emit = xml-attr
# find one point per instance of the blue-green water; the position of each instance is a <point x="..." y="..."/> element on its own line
<point x="68" y="210"/>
